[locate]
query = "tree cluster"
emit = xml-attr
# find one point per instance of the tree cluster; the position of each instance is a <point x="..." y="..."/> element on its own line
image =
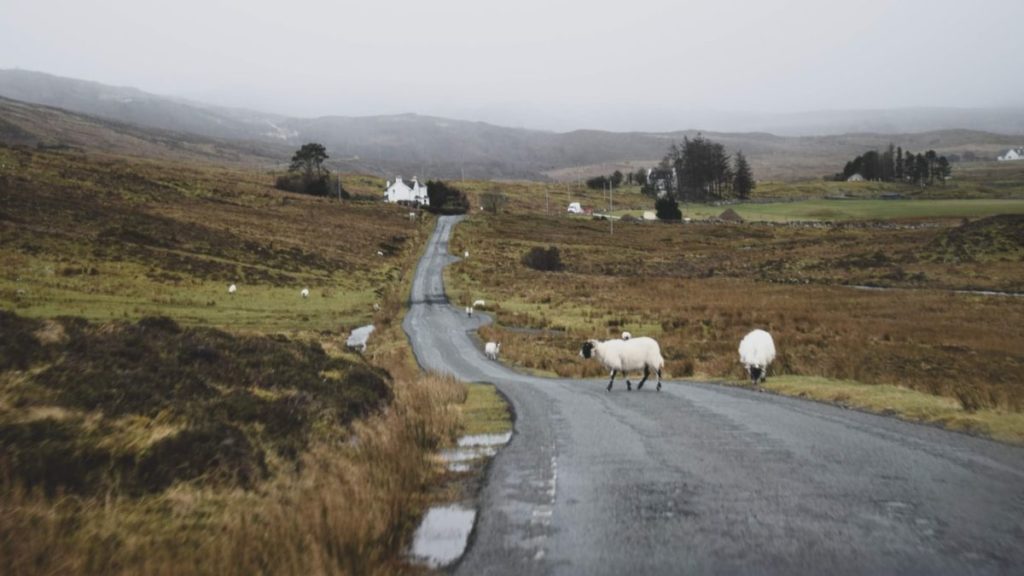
<point x="699" y="170"/>
<point x="897" y="165"/>
<point x="604" y="182"/>
<point x="307" y="174"/>
<point x="446" y="199"/>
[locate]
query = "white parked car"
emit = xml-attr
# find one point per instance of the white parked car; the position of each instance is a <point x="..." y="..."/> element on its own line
<point x="575" y="208"/>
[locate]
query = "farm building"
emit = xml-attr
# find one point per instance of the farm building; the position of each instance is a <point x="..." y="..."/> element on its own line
<point x="1012" y="154"/>
<point x="401" y="193"/>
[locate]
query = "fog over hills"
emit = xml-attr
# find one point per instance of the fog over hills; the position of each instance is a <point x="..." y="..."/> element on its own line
<point x="432" y="147"/>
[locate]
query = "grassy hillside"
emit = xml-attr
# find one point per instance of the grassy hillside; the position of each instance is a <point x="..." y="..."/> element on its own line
<point x="150" y="422"/>
<point x="103" y="238"/>
<point x="45" y="127"/>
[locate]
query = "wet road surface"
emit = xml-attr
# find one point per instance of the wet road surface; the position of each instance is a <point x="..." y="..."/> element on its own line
<point x="701" y="479"/>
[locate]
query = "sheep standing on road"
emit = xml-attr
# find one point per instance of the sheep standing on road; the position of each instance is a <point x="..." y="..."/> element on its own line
<point x="491" y="349"/>
<point x="626" y="356"/>
<point x="757" y="350"/>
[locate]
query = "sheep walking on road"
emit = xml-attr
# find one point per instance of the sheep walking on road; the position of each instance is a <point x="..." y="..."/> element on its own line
<point x="626" y="356"/>
<point x="757" y="350"/>
<point x="491" y="349"/>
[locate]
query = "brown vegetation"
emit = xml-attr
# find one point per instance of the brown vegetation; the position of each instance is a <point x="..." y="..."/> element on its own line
<point x="151" y="423"/>
<point x="699" y="287"/>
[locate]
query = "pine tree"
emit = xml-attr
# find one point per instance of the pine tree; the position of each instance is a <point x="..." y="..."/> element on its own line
<point x="743" y="180"/>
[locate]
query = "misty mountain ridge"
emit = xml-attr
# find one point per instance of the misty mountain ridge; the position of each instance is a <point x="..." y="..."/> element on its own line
<point x="433" y="147"/>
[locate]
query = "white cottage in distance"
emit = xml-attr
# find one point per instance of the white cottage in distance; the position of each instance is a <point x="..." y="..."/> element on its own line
<point x="401" y="193"/>
<point x="1012" y="154"/>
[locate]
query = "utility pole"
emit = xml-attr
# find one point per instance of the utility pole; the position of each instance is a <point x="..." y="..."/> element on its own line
<point x="611" y="221"/>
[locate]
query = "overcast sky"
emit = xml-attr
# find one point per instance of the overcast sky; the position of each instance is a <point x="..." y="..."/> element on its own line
<point x="534" y="63"/>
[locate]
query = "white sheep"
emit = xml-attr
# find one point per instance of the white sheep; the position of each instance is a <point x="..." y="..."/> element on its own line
<point x="491" y="349"/>
<point x="466" y="254"/>
<point x="232" y="289"/>
<point x="626" y="356"/>
<point x="626" y="335"/>
<point x="376" y="307"/>
<point x="757" y="350"/>
<point x="380" y="252"/>
<point x="304" y="293"/>
<point x="479" y="304"/>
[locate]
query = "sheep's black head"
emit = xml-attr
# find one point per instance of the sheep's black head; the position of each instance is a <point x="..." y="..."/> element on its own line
<point x="755" y="373"/>
<point x="587" y="349"/>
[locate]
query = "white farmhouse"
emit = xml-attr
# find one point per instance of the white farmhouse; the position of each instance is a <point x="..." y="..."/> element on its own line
<point x="1012" y="154"/>
<point x="401" y="193"/>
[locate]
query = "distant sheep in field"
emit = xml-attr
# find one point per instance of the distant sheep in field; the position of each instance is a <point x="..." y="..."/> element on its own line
<point x="626" y="356"/>
<point x="304" y="293"/>
<point x="491" y="349"/>
<point x="376" y="307"/>
<point x="380" y="252"/>
<point x="479" y="304"/>
<point x="466" y="254"/>
<point x="232" y="289"/>
<point x="757" y="350"/>
<point x="626" y="335"/>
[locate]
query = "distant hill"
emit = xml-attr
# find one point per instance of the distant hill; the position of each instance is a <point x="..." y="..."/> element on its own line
<point x="431" y="147"/>
<point x="27" y="124"/>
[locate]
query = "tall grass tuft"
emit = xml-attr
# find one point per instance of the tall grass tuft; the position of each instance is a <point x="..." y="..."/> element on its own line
<point x="347" y="508"/>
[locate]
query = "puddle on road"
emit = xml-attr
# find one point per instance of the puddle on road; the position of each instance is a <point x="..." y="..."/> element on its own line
<point x="485" y="440"/>
<point x="443" y="535"/>
<point x="473" y="448"/>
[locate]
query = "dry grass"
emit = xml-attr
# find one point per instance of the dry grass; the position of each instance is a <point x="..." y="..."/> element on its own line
<point x="904" y="403"/>
<point x="699" y="288"/>
<point x="347" y="510"/>
<point x="106" y="238"/>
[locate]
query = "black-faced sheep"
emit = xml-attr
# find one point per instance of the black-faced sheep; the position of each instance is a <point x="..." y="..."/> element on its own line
<point x="626" y="356"/>
<point x="757" y="350"/>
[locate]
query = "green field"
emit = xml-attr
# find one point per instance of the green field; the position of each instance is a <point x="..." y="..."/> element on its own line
<point x="845" y="210"/>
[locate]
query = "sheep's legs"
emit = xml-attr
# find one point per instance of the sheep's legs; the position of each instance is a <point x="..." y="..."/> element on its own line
<point x="647" y="372"/>
<point x="612" y="379"/>
<point x="659" y="379"/>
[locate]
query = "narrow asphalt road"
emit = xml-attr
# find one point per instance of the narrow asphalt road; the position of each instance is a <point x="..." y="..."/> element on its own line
<point x="701" y="479"/>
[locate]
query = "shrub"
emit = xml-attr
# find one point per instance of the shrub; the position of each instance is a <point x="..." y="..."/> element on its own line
<point x="667" y="208"/>
<point x="548" y="260"/>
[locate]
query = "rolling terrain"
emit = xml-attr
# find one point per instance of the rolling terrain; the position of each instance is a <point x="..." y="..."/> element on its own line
<point x="432" y="147"/>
